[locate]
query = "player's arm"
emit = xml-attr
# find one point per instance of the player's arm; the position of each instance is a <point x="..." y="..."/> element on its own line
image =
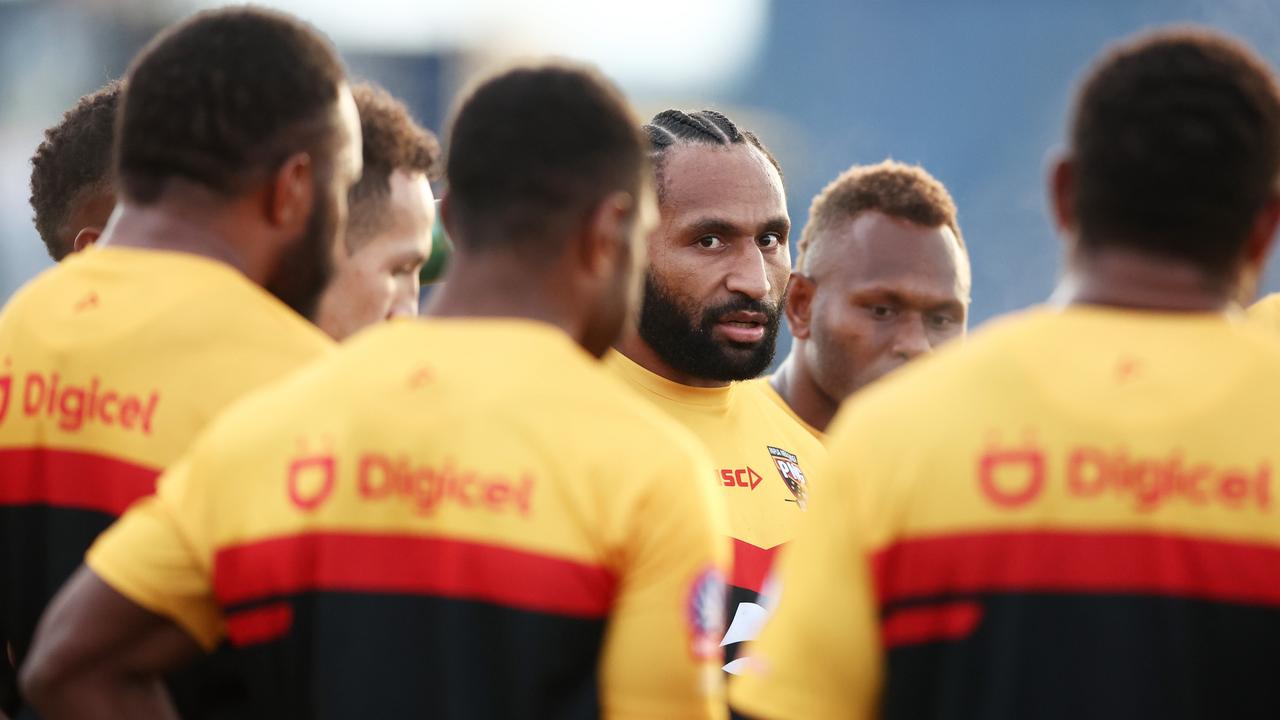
<point x="662" y="654"/>
<point x="141" y="607"/>
<point x="819" y="655"/>
<point x="97" y="654"/>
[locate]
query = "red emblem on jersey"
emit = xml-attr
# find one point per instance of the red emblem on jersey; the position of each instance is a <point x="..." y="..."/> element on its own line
<point x="789" y="468"/>
<point x="311" y="479"/>
<point x="1011" y="477"/>
<point x="6" y="389"/>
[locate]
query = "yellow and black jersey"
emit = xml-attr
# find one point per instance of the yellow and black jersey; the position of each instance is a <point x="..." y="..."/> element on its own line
<point x="764" y="464"/>
<point x="109" y="365"/>
<point x="1072" y="515"/>
<point x="447" y="518"/>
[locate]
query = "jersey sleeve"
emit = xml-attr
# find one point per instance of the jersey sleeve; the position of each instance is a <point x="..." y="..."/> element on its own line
<point x="154" y="556"/>
<point x="819" y="655"/>
<point x="662" y="654"/>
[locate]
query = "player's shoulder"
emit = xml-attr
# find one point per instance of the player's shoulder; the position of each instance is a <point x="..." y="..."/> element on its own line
<point x="1265" y="313"/>
<point x="938" y="391"/>
<point x="33" y="294"/>
<point x="628" y="421"/>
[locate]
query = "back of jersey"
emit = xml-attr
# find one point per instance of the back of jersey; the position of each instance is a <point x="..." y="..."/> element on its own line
<point x="1072" y="516"/>
<point x="448" y="519"/>
<point x="1090" y="530"/>
<point x="109" y="365"/>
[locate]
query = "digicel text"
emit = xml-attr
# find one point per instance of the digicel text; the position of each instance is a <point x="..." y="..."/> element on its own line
<point x="72" y="406"/>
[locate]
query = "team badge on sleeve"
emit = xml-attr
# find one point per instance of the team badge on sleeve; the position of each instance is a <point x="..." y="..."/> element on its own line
<point x="792" y="475"/>
<point x="706" y="614"/>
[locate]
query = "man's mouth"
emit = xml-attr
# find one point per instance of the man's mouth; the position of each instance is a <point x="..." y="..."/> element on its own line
<point x="742" y="326"/>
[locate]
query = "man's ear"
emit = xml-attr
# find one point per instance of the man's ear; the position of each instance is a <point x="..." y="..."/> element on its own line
<point x="1262" y="235"/>
<point x="799" y="305"/>
<point x="86" y="237"/>
<point x="291" y="194"/>
<point x="604" y="237"/>
<point x="1062" y="194"/>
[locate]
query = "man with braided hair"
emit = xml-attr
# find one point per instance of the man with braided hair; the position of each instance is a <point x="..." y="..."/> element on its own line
<point x="881" y="277"/>
<point x="718" y="268"/>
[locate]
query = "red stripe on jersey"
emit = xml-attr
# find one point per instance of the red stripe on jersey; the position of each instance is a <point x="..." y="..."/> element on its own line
<point x="930" y="623"/>
<point x="72" y="479"/>
<point x="1079" y="562"/>
<point x="432" y="566"/>
<point x="751" y="565"/>
<point x="259" y="625"/>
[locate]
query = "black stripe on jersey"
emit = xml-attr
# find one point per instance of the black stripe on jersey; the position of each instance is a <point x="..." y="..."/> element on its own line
<point x="40" y="547"/>
<point x="356" y="655"/>
<point x="1067" y="656"/>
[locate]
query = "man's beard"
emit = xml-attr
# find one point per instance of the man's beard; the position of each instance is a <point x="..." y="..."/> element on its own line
<point x="306" y="267"/>
<point x="686" y="343"/>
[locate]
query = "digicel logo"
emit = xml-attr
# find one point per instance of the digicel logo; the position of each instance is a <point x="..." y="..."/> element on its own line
<point x="740" y="477"/>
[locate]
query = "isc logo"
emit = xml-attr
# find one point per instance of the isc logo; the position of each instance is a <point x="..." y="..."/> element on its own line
<point x="741" y="477"/>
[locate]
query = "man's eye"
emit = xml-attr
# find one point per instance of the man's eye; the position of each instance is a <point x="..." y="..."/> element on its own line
<point x="710" y="242"/>
<point x="882" y="312"/>
<point x="770" y="240"/>
<point x="941" y="322"/>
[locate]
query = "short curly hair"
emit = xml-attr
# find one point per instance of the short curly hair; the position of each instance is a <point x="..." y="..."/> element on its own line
<point x="906" y="192"/>
<point x="392" y="141"/>
<point x="1175" y="138"/>
<point x="73" y="161"/>
<point x="533" y="149"/>
<point x="222" y="97"/>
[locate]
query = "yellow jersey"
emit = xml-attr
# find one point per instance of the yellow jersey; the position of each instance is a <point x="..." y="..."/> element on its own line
<point x="1069" y="516"/>
<point x="766" y="387"/>
<point x="1266" y="313"/>
<point x="110" y="363"/>
<point x="764" y="463"/>
<point x="447" y="518"/>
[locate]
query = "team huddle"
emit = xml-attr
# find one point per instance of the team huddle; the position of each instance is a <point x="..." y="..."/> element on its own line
<point x="239" y="477"/>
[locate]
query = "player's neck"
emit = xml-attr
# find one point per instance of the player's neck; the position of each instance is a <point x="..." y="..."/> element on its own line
<point x="802" y="394"/>
<point x="1129" y="279"/>
<point x="187" y="223"/>
<point x="639" y="352"/>
<point x="503" y="288"/>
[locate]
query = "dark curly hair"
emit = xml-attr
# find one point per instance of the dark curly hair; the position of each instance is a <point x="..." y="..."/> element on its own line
<point x="1176" y="143"/>
<point x="223" y="97"/>
<point x="533" y="150"/>
<point x="391" y="141"/>
<point x="73" y="162"/>
<point x="906" y="192"/>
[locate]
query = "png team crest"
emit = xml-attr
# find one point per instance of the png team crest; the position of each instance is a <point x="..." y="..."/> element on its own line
<point x="792" y="475"/>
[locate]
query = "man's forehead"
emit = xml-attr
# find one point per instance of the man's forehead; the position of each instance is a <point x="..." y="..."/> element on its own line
<point x="877" y="249"/>
<point x="734" y="183"/>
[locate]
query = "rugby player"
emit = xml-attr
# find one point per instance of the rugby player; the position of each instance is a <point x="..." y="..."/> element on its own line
<point x="881" y="277"/>
<point x="1073" y="514"/>
<point x="232" y="188"/>
<point x="71" y="189"/>
<point x="718" y="269"/>
<point x="392" y="212"/>
<point x="450" y="517"/>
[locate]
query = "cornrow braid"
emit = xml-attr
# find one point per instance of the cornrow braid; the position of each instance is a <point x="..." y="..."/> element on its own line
<point x="704" y="127"/>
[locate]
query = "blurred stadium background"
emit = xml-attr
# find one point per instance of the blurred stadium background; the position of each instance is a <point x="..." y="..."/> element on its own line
<point x="974" y="91"/>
